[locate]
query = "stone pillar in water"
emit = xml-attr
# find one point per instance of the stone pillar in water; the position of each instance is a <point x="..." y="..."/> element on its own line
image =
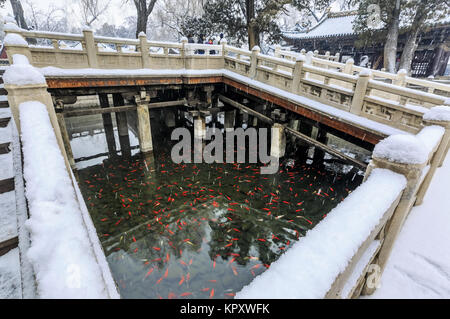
<point x="122" y="126"/>
<point x="229" y="119"/>
<point x="278" y="141"/>
<point x="199" y="136"/>
<point x="169" y="119"/>
<point x="319" y="154"/>
<point x="144" y="127"/>
<point x="302" y="147"/>
<point x="199" y="127"/>
<point x="238" y="118"/>
<point x="108" y="125"/>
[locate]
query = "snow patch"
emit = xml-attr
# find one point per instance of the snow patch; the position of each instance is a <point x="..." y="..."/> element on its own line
<point x="407" y="149"/>
<point x="15" y="39"/>
<point x="22" y="73"/>
<point x="10" y="287"/>
<point x="9" y="26"/>
<point x="438" y="113"/>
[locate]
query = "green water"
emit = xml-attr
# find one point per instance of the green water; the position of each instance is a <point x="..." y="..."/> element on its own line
<point x="200" y="230"/>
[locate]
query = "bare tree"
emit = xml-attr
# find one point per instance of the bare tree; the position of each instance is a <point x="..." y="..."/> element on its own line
<point x="52" y="19"/>
<point x="91" y="10"/>
<point x="171" y="15"/>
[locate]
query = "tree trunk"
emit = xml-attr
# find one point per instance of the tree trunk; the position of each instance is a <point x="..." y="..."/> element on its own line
<point x="390" y="47"/>
<point x="252" y="30"/>
<point x="143" y="11"/>
<point x="408" y="50"/>
<point x="142" y="20"/>
<point x="18" y="14"/>
<point x="253" y="37"/>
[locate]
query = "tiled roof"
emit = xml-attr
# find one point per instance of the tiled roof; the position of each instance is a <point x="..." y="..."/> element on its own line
<point x="330" y="26"/>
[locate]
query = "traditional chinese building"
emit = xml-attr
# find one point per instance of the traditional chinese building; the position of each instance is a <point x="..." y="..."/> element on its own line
<point x="334" y="33"/>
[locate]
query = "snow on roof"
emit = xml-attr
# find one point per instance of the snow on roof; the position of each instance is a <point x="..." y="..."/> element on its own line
<point x="331" y="25"/>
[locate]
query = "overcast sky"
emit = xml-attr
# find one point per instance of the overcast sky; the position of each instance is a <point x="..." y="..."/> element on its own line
<point x="117" y="12"/>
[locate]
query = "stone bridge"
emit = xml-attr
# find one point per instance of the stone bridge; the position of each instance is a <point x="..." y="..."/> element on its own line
<point x="360" y="105"/>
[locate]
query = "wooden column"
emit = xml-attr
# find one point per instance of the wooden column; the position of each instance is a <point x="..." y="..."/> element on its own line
<point x="318" y="153"/>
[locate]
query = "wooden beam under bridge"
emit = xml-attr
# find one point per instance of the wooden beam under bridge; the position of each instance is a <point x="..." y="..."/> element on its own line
<point x="246" y="109"/>
<point x="295" y="133"/>
<point x="123" y="108"/>
<point x="324" y="147"/>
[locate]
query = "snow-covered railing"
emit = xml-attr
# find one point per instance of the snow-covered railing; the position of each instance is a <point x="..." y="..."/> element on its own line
<point x="400" y="78"/>
<point x="66" y="255"/>
<point x="345" y="254"/>
<point x="343" y="86"/>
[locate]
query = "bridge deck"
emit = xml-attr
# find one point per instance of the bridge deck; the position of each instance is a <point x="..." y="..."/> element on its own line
<point x="81" y="79"/>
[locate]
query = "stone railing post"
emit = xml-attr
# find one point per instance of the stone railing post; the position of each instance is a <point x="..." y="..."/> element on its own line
<point x="348" y="68"/>
<point x="400" y="79"/>
<point x="278" y="141"/>
<point x="91" y="49"/>
<point x="336" y="57"/>
<point x="441" y="152"/>
<point x="303" y="51"/>
<point x="16" y="44"/>
<point x="277" y="52"/>
<point x="224" y="43"/>
<point x="388" y="154"/>
<point x="316" y="53"/>
<point x="144" y="128"/>
<point x="184" y="51"/>
<point x="254" y="61"/>
<point x="360" y="92"/>
<point x="36" y="90"/>
<point x="144" y="48"/>
<point x="297" y="74"/>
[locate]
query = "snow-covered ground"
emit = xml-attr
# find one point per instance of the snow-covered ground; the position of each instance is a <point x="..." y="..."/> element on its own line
<point x="419" y="266"/>
<point x="10" y="275"/>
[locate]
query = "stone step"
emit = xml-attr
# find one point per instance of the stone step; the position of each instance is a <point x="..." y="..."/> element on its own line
<point x="8" y="244"/>
<point x="4" y="121"/>
<point x="10" y="275"/>
<point x="5" y="148"/>
<point x="6" y="185"/>
<point x="8" y="222"/>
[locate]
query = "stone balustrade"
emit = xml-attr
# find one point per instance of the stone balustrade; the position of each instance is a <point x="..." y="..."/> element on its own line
<point x="400" y="107"/>
<point x="344" y="86"/>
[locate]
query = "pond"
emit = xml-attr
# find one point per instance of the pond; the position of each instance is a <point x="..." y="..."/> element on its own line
<point x="200" y="230"/>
